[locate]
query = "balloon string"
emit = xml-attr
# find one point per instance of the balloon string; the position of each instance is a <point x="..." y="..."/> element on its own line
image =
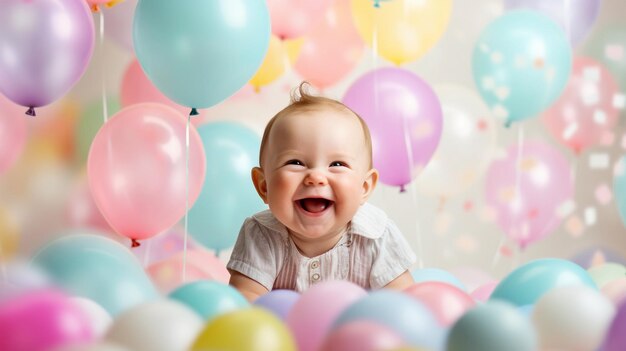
<point x="568" y="18"/>
<point x="146" y="255"/>
<point x="184" y="278"/>
<point x="518" y="180"/>
<point x="420" y="251"/>
<point x="105" y="112"/>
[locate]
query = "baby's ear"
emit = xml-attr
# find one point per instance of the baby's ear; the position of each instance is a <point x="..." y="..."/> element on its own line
<point x="258" y="179"/>
<point x="369" y="184"/>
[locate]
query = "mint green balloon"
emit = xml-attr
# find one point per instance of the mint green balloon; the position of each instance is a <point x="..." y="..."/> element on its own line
<point x="521" y="64"/>
<point x="209" y="299"/>
<point x="228" y="195"/>
<point x="199" y="52"/>
<point x="90" y="120"/>
<point x="98" y="268"/>
<point x="607" y="272"/>
<point x="527" y="283"/>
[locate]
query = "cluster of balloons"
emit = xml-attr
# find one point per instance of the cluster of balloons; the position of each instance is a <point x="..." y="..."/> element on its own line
<point x="539" y="305"/>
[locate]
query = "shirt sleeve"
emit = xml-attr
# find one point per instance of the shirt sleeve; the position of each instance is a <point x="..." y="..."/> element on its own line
<point x="255" y="254"/>
<point x="393" y="256"/>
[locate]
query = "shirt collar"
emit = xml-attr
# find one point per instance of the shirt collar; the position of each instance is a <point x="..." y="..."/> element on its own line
<point x="369" y="222"/>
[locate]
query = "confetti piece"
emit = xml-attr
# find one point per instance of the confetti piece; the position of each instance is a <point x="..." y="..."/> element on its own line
<point x="442" y="223"/>
<point x="603" y="194"/>
<point x="599" y="161"/>
<point x="591" y="74"/>
<point x="488" y="83"/>
<point x="487" y="214"/>
<point x="502" y="93"/>
<point x="598" y="258"/>
<point x="466" y="244"/>
<point x="566" y="208"/>
<point x="569" y="131"/>
<point x="591" y="216"/>
<point x="599" y="117"/>
<point x="574" y="226"/>
<point x="619" y="101"/>
<point x="506" y="251"/>
<point x="590" y="94"/>
<point x="496" y="57"/>
<point x="500" y="111"/>
<point x="468" y="205"/>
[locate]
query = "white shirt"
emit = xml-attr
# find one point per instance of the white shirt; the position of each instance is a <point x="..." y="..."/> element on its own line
<point x="372" y="253"/>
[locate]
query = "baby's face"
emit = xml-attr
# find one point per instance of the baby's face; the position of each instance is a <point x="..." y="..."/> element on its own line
<point x="316" y="172"/>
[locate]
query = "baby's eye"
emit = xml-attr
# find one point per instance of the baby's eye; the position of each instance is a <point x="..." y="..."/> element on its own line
<point x="338" y="164"/>
<point x="294" y="162"/>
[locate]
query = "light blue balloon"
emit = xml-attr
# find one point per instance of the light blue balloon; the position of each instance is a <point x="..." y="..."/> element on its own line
<point x="521" y="64"/>
<point x="98" y="268"/>
<point x="228" y="195"/>
<point x="526" y="284"/>
<point x="209" y="298"/>
<point x="436" y="275"/>
<point x="199" y="52"/>
<point x="492" y="326"/>
<point x="619" y="187"/>
<point x="400" y="312"/>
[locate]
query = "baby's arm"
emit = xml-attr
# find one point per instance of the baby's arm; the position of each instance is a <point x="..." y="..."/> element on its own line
<point x="402" y="282"/>
<point x="249" y="288"/>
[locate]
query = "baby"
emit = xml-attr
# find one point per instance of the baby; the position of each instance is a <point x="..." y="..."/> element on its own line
<point x="316" y="175"/>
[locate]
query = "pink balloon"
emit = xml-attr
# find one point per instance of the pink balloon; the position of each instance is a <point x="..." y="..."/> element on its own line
<point x="294" y="18"/>
<point x="46" y="45"/>
<point x="404" y="117"/>
<point x="199" y="264"/>
<point x="363" y="335"/>
<point x="41" y="320"/>
<point x="585" y="111"/>
<point x="312" y="315"/>
<point x="335" y="33"/>
<point x="13" y="133"/>
<point x="137" y="88"/>
<point x="615" y="291"/>
<point x="526" y="188"/>
<point x="447" y="302"/>
<point x="483" y="292"/>
<point x="137" y="169"/>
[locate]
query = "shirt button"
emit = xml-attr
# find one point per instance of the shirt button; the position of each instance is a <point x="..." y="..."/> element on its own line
<point x="315" y="264"/>
<point x="316" y="276"/>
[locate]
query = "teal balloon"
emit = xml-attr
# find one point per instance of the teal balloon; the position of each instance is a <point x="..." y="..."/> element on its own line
<point x="228" y="195"/>
<point x="98" y="268"/>
<point x="493" y="326"/>
<point x="199" y="52"/>
<point x="619" y="188"/>
<point x="209" y="299"/>
<point x="526" y="284"/>
<point x="521" y="64"/>
<point x="90" y="121"/>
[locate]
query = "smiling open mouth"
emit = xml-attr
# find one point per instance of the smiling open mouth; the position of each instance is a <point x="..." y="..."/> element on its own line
<point x="314" y="205"/>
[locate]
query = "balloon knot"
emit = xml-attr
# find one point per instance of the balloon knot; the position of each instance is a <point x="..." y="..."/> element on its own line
<point x="508" y="123"/>
<point x="193" y="112"/>
<point x="134" y="243"/>
<point x="95" y="8"/>
<point x="402" y="188"/>
<point x="31" y="111"/>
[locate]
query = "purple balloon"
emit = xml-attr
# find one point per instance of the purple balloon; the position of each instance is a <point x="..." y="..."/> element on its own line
<point x="42" y="320"/>
<point x="404" y="117"/>
<point x="576" y="17"/>
<point x="46" y="47"/>
<point x="278" y="302"/>
<point x="616" y="337"/>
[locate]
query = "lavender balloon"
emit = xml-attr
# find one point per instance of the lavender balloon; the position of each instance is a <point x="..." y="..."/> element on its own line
<point x="46" y="46"/>
<point x="616" y="335"/>
<point x="576" y="17"/>
<point x="404" y="117"/>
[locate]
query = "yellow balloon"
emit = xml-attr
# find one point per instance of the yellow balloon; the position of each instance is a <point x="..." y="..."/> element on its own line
<point x="9" y="238"/>
<point x="247" y="329"/>
<point x="401" y="30"/>
<point x="280" y="56"/>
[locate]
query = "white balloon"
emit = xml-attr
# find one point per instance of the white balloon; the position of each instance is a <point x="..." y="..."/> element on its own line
<point x="160" y="325"/>
<point x="468" y="140"/>
<point x="99" y="317"/>
<point x="573" y="318"/>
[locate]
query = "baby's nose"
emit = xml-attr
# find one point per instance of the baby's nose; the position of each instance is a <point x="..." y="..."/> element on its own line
<point x="315" y="178"/>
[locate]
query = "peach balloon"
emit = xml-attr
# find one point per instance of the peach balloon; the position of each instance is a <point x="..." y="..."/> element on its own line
<point x="447" y="302"/>
<point x="586" y="109"/>
<point x="336" y="33"/>
<point x="137" y="88"/>
<point x="294" y="18"/>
